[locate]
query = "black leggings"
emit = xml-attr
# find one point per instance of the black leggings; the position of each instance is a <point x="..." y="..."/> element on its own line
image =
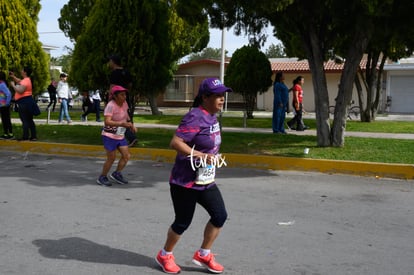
<point x="25" y="105"/>
<point x="185" y="200"/>
<point x="296" y="122"/>
<point x="6" y="120"/>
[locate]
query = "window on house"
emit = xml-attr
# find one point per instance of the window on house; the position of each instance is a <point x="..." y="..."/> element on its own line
<point x="180" y="89"/>
<point x="234" y="97"/>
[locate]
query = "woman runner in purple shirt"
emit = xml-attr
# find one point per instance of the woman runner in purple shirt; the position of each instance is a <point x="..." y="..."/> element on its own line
<point x="197" y="142"/>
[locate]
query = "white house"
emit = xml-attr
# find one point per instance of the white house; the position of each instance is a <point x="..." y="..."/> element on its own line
<point x="397" y="95"/>
<point x="49" y="48"/>
<point x="399" y="86"/>
<point x="292" y="68"/>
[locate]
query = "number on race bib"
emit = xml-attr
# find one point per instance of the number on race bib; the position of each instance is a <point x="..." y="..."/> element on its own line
<point x="120" y="131"/>
<point x="205" y="175"/>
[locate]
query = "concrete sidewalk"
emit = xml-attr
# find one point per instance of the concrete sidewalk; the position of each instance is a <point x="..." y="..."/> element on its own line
<point x="311" y="132"/>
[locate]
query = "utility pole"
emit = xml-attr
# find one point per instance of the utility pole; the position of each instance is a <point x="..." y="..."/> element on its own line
<point x="223" y="60"/>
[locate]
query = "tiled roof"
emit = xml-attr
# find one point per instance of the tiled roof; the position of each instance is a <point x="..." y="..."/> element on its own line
<point x="291" y="65"/>
<point x="287" y="65"/>
<point x="203" y="61"/>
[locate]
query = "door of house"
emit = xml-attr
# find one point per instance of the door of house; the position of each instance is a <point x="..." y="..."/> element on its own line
<point x="402" y="93"/>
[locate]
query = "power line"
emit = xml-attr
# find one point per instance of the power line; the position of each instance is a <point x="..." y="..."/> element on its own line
<point x="49" y="32"/>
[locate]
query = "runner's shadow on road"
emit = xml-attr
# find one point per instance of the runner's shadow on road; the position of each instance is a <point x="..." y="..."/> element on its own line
<point x="86" y="251"/>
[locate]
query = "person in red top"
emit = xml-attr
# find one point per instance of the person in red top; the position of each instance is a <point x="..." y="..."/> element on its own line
<point x="296" y="123"/>
<point x="25" y="102"/>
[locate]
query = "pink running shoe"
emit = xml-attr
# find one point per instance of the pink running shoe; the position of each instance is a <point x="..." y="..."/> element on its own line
<point x="167" y="263"/>
<point x="208" y="262"/>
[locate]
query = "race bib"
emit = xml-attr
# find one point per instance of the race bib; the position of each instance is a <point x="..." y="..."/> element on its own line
<point x="205" y="175"/>
<point x="120" y="131"/>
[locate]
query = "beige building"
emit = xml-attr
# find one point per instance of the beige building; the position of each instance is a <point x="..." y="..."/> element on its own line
<point x="399" y="86"/>
<point x="397" y="95"/>
<point x="292" y="68"/>
<point x="184" y="87"/>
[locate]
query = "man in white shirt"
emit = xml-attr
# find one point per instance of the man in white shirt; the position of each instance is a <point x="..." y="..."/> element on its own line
<point x="64" y="95"/>
<point x="96" y="97"/>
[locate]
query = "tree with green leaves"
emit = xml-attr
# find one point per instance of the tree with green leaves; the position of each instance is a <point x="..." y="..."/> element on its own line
<point x="207" y="53"/>
<point x="393" y="39"/>
<point x="311" y="29"/>
<point x="248" y="73"/>
<point x="275" y="51"/>
<point x="148" y="35"/>
<point x="33" y="8"/>
<point x="73" y="17"/>
<point x="19" y="43"/>
<point x="63" y="60"/>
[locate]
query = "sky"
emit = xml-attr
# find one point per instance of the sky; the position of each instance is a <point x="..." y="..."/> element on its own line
<point x="48" y="27"/>
<point x="51" y="35"/>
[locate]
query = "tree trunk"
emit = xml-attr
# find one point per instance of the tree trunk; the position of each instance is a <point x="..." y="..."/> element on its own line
<point x="153" y="104"/>
<point x="249" y="103"/>
<point x="378" y="87"/>
<point x="341" y="106"/>
<point x="360" y="91"/>
<point x="352" y="63"/>
<point x="131" y="105"/>
<point x="373" y="86"/>
<point x="316" y="65"/>
<point x="371" y="77"/>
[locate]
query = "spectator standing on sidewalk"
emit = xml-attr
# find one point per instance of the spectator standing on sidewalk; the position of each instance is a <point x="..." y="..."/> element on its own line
<point x="24" y="99"/>
<point x="5" y="99"/>
<point x="96" y="98"/>
<point x="92" y="103"/>
<point x="113" y="135"/>
<point x="87" y="105"/>
<point x="296" y="123"/>
<point x="197" y="139"/>
<point x="64" y="96"/>
<point x="51" y="89"/>
<point x="280" y="104"/>
<point x="120" y="76"/>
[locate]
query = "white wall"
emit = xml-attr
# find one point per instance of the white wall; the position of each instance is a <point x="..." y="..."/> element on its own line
<point x="265" y="101"/>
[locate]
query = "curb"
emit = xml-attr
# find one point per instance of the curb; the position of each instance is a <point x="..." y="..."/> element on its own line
<point x="368" y="169"/>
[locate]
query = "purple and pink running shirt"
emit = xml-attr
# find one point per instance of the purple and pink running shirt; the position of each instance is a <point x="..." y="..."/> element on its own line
<point x="200" y="129"/>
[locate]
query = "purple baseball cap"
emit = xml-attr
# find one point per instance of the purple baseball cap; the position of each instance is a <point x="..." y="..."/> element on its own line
<point x="212" y="86"/>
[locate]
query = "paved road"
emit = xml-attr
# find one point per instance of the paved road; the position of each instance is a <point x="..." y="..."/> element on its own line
<point x="55" y="220"/>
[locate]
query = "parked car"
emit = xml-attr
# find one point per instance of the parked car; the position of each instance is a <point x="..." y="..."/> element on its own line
<point x="43" y="97"/>
<point x="74" y="91"/>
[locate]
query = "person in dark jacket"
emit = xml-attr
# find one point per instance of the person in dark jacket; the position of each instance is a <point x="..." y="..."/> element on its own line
<point x="280" y="104"/>
<point x="121" y="76"/>
<point x="51" y="89"/>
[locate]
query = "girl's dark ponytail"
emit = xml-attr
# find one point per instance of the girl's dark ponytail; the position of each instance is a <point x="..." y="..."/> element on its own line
<point x="197" y="101"/>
